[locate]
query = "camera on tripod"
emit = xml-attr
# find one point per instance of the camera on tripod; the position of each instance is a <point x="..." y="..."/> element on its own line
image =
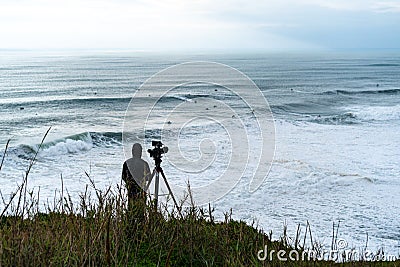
<point x="157" y="151"/>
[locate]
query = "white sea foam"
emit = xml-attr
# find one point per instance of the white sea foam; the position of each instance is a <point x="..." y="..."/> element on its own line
<point x="68" y="146"/>
<point x="378" y="113"/>
<point x="183" y="98"/>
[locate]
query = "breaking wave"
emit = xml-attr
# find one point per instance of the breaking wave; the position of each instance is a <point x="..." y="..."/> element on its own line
<point x="345" y="118"/>
<point x="68" y="145"/>
<point x="363" y="92"/>
<point x="378" y="113"/>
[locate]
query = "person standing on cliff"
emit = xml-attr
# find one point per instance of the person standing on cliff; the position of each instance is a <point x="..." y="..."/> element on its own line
<point x="136" y="174"/>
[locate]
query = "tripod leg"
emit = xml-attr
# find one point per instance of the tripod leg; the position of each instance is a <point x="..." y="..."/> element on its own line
<point x="151" y="179"/>
<point x="156" y="188"/>
<point x="170" y="191"/>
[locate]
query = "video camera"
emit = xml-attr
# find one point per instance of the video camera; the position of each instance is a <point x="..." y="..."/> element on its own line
<point x="157" y="151"/>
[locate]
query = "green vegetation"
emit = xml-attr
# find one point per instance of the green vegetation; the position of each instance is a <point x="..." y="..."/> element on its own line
<point x="109" y="235"/>
<point x="107" y="231"/>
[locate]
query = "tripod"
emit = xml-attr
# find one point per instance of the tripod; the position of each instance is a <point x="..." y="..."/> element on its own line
<point x="156" y="172"/>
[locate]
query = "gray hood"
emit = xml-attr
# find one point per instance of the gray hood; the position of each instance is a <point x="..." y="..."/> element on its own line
<point x="136" y="150"/>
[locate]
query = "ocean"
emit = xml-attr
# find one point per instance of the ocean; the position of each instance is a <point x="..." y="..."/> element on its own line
<point x="336" y="116"/>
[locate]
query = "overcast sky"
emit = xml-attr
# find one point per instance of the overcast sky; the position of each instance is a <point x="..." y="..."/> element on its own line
<point x="154" y="25"/>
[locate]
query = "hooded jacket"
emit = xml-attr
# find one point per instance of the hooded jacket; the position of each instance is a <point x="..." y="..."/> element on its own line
<point x="135" y="172"/>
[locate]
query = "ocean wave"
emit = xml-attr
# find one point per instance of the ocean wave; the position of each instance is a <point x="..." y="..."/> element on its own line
<point x="326" y="113"/>
<point x="73" y="144"/>
<point x="302" y="108"/>
<point x="309" y="175"/>
<point x="106" y="139"/>
<point x="183" y="98"/>
<point x="378" y="113"/>
<point x="383" y="65"/>
<point x="358" y="115"/>
<point x="363" y="92"/>
<point x="344" y="118"/>
<point x="9" y="102"/>
<point x="57" y="100"/>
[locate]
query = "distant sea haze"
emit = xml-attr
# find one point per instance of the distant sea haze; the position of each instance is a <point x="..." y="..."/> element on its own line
<point x="337" y="119"/>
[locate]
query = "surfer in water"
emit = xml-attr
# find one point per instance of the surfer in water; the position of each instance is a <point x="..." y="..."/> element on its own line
<point x="136" y="174"/>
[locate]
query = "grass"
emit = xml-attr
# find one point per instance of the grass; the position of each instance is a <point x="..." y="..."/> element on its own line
<point x="106" y="231"/>
<point x="110" y="233"/>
